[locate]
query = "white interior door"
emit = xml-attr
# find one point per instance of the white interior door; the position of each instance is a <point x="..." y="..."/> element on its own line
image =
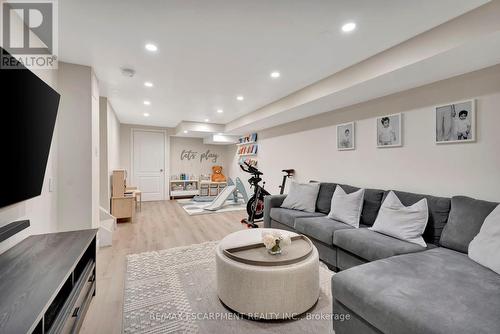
<point x="149" y="164"/>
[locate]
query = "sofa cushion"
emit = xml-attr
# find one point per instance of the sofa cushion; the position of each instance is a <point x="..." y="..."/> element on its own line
<point x="279" y="226"/>
<point x="324" y="200"/>
<point x="346" y="260"/>
<point x="371" y="204"/>
<point x="287" y="216"/>
<point x="371" y="245"/>
<point x="320" y="228"/>
<point x="467" y="215"/>
<point x="439" y="209"/>
<point x="436" y="291"/>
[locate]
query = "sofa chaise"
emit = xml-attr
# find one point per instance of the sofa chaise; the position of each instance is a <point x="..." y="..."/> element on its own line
<point x="393" y="286"/>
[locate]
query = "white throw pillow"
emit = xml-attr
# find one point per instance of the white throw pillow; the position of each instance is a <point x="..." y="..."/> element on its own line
<point x="402" y="222"/>
<point x="302" y="196"/>
<point x="347" y="208"/>
<point x="485" y="246"/>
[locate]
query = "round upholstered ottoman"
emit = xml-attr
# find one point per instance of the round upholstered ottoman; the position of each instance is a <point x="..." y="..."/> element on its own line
<point x="266" y="291"/>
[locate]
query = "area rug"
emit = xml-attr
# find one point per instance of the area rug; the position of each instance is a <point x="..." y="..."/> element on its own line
<point x="174" y="291"/>
<point x="196" y="208"/>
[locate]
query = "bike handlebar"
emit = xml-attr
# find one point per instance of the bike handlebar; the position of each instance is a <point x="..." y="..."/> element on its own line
<point x="250" y="169"/>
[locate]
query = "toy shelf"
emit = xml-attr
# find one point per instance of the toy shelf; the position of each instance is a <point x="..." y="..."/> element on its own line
<point x="212" y="182"/>
<point x="181" y="181"/>
<point x="211" y="188"/>
<point x="249" y="143"/>
<point x="184" y="188"/>
<point x="182" y="193"/>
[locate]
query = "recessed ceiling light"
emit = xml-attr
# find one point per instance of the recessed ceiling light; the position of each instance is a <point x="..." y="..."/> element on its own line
<point x="240" y="98"/>
<point x="185" y="131"/>
<point x="219" y="134"/>
<point x="151" y="47"/>
<point x="348" y="27"/>
<point x="147" y="103"/>
<point x="220" y="111"/>
<point x="146" y="114"/>
<point x="207" y="120"/>
<point x="148" y="84"/>
<point x="275" y="74"/>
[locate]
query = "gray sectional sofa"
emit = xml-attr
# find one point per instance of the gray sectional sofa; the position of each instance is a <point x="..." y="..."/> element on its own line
<point x="393" y="286"/>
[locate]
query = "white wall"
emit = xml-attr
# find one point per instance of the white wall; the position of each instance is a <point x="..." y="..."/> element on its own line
<point x="113" y="140"/>
<point x="94" y="119"/>
<point x="473" y="169"/>
<point x="78" y="148"/>
<point x="194" y="166"/>
<point x="103" y="154"/>
<point x="109" y="135"/>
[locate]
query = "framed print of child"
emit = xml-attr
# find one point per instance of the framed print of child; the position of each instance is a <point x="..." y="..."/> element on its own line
<point x="455" y="122"/>
<point x="345" y="136"/>
<point x="389" y="131"/>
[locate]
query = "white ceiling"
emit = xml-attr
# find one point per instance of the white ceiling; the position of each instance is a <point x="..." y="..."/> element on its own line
<point x="456" y="61"/>
<point x="212" y="51"/>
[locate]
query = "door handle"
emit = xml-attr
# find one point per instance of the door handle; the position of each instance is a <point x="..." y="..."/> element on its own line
<point x="161" y="170"/>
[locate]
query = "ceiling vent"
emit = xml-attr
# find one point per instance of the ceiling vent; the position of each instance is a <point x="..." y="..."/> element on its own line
<point x="128" y="72"/>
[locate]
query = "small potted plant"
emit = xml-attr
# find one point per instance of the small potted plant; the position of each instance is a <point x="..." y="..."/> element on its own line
<point x="275" y="241"/>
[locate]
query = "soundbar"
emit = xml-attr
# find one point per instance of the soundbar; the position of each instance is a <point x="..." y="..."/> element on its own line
<point x="9" y="230"/>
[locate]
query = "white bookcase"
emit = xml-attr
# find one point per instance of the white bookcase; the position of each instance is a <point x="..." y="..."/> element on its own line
<point x="183" y="188"/>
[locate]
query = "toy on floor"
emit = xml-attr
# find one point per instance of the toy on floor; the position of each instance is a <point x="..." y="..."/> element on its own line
<point x="237" y="191"/>
<point x="217" y="175"/>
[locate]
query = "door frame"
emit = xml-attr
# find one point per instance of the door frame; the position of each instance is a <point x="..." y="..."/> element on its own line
<point x="166" y="167"/>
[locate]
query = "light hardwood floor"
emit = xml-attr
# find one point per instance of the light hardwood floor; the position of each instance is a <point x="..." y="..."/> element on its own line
<point x="159" y="225"/>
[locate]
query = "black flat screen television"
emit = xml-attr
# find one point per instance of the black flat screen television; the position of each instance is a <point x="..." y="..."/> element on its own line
<point x="28" y="111"/>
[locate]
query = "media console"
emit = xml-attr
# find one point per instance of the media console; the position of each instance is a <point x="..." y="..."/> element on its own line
<point x="47" y="282"/>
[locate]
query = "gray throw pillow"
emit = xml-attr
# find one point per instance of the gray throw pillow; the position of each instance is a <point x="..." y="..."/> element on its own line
<point x="467" y="215"/>
<point x="302" y="196"/>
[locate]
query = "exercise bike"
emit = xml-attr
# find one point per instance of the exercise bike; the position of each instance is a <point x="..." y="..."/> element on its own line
<point x="255" y="205"/>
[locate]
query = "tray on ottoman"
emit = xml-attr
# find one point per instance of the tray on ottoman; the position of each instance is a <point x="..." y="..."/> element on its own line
<point x="257" y="254"/>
